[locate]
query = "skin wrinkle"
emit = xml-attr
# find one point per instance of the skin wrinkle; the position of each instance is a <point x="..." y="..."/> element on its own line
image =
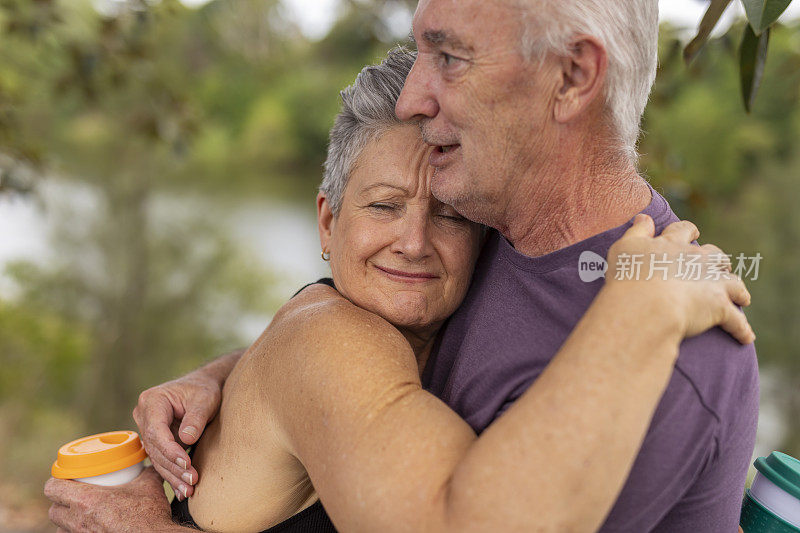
<point x="417" y="310"/>
<point x="536" y="158"/>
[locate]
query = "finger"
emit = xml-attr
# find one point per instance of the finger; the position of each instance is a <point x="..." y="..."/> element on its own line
<point x="716" y="255"/>
<point x="681" y="232"/>
<point x="737" y="291"/>
<point x="174" y="475"/>
<point x="158" y="437"/>
<point x="64" y="491"/>
<point x="61" y="517"/>
<point x="643" y="226"/>
<point x="193" y="424"/>
<point x="735" y="323"/>
<point x="149" y="476"/>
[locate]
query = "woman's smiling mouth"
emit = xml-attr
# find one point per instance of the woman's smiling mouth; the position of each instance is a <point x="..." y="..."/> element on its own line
<point x="407" y="277"/>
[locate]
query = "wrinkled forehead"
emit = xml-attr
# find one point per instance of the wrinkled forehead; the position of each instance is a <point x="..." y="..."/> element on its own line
<point x="465" y="23"/>
<point x="397" y="159"/>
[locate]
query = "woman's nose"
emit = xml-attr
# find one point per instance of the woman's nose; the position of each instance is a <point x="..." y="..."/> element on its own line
<point x="413" y="239"/>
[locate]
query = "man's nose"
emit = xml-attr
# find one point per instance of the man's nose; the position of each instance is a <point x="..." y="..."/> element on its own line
<point x="413" y="239"/>
<point x="416" y="100"/>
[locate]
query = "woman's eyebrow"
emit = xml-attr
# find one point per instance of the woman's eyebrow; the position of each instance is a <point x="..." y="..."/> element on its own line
<point x="385" y="185"/>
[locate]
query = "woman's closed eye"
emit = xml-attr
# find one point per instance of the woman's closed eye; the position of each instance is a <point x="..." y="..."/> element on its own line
<point x="385" y="207"/>
<point x="450" y="215"/>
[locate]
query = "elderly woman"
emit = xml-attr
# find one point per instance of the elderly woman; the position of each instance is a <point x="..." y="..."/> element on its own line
<point x="326" y="408"/>
<point x="328" y="404"/>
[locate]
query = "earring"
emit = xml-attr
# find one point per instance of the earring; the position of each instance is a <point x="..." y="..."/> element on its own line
<point x="326" y="255"/>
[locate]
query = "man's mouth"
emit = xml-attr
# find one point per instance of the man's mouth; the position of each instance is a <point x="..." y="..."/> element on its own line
<point x="443" y="154"/>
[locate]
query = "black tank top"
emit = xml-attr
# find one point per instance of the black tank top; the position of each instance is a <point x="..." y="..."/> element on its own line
<point x="312" y="519"/>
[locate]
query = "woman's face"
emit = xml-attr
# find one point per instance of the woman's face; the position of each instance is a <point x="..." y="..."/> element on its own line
<point x="395" y="249"/>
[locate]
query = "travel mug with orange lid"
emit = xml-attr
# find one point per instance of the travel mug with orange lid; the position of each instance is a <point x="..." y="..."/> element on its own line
<point x="107" y="459"/>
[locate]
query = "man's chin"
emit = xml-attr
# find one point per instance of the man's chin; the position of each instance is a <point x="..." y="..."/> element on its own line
<point x="447" y="184"/>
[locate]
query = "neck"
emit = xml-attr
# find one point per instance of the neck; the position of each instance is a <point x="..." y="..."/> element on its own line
<point x="421" y="342"/>
<point x="571" y="199"/>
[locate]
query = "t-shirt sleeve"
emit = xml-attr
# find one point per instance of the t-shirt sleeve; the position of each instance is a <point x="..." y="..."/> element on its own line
<point x="690" y="472"/>
<point x="713" y="502"/>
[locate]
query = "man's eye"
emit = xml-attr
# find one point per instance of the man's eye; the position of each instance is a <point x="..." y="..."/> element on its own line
<point x="448" y="60"/>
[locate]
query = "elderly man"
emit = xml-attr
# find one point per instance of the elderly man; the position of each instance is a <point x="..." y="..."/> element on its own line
<point x="536" y="124"/>
<point x="534" y="107"/>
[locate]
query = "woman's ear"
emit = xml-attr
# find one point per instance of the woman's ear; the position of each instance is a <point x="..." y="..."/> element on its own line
<point x="324" y="221"/>
<point x="583" y="74"/>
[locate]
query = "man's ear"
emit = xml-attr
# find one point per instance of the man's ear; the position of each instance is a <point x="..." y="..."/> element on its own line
<point x="324" y="221"/>
<point x="583" y="73"/>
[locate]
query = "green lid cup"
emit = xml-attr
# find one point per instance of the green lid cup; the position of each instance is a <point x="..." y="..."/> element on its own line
<point x="772" y="504"/>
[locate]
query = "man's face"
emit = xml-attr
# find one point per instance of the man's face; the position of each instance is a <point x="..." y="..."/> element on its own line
<point x="481" y="103"/>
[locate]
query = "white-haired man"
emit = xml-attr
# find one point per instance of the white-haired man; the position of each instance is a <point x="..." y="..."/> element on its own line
<point x="535" y="108"/>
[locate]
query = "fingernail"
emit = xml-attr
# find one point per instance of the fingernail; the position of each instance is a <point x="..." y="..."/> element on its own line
<point x="190" y="430"/>
<point x="184" y="490"/>
<point x="181" y="462"/>
<point x="188" y="478"/>
<point x="177" y="495"/>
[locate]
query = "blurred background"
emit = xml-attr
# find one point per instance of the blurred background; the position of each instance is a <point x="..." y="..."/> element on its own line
<point x="158" y="167"/>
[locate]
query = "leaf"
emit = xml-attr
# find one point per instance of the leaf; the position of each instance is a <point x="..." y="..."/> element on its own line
<point x="752" y="57"/>
<point x="762" y="13"/>
<point x="710" y="19"/>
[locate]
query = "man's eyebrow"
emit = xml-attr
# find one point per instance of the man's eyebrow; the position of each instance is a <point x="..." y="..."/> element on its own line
<point x="440" y="37"/>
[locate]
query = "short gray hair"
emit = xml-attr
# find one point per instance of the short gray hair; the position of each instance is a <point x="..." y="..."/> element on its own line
<point x="629" y="32"/>
<point x="367" y="112"/>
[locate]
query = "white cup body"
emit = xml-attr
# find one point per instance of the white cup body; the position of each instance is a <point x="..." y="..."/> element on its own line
<point x="120" y="477"/>
<point x="776" y="499"/>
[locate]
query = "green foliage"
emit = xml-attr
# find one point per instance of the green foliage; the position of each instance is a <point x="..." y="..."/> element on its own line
<point x="752" y="58"/>
<point x="158" y="101"/>
<point x="761" y="15"/>
<point x="735" y="175"/>
<point x="134" y="106"/>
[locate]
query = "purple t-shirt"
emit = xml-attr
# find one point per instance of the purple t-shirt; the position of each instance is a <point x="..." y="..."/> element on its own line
<point x="690" y="472"/>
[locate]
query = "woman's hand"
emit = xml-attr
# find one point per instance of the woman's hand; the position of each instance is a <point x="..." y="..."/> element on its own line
<point x="140" y="505"/>
<point x="178" y="411"/>
<point x="694" y="282"/>
<point x="175" y="412"/>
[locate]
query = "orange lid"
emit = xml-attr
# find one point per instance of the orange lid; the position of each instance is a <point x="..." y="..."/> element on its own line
<point x="98" y="454"/>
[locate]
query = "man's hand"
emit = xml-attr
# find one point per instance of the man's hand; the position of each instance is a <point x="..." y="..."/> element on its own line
<point x="177" y="412"/>
<point x="140" y="505"/>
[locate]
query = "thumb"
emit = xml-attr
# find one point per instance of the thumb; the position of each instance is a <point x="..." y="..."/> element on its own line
<point x="192" y="425"/>
<point x="643" y="226"/>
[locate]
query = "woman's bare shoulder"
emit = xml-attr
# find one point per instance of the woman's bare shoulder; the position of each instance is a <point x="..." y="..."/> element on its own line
<point x="321" y="310"/>
<point x="320" y="326"/>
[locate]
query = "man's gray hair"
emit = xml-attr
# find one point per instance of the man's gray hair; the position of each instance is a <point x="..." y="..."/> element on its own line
<point x="629" y="31"/>
<point x="367" y="112"/>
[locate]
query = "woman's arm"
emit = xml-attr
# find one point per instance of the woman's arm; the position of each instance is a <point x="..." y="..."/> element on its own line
<point x="386" y="456"/>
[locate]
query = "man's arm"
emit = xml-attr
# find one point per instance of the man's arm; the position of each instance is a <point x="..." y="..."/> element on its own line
<point x="178" y="411"/>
